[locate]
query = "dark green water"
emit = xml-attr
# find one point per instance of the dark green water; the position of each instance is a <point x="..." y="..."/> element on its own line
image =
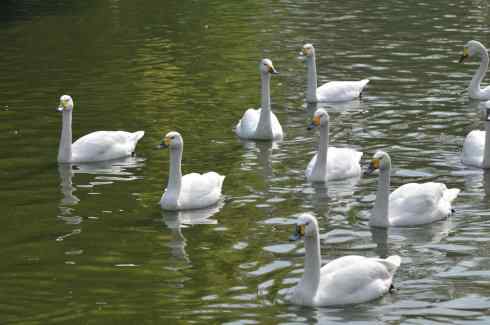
<point x="90" y="245"/>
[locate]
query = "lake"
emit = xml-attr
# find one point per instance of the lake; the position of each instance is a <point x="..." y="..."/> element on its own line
<point x="90" y="244"/>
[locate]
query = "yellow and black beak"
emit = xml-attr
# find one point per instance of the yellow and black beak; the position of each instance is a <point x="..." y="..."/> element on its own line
<point x="299" y="232"/>
<point x="314" y="123"/>
<point x="464" y="56"/>
<point x="165" y="143"/>
<point x="272" y="70"/>
<point x="372" y="167"/>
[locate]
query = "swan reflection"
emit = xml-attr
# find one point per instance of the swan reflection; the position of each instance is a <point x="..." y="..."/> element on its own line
<point x="176" y="221"/>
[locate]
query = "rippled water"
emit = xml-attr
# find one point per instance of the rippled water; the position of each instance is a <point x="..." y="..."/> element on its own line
<point x="89" y="243"/>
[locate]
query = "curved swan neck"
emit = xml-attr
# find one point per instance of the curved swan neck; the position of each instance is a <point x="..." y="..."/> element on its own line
<point x="479" y="74"/>
<point x="264" y="126"/>
<point x="308" y="285"/>
<point x="175" y="172"/>
<point x="379" y="217"/>
<point x="64" y="150"/>
<point x="486" y="149"/>
<point x="311" y="79"/>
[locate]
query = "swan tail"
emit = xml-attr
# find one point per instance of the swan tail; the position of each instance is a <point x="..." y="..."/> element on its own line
<point x="392" y="263"/>
<point x="138" y="135"/>
<point x="451" y="194"/>
<point x="364" y="82"/>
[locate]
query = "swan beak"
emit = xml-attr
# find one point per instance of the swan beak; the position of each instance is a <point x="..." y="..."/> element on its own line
<point x="299" y="232"/>
<point x="60" y="108"/>
<point x="314" y="123"/>
<point x="464" y="56"/>
<point x="164" y="144"/>
<point x="372" y="167"/>
<point x="272" y="70"/>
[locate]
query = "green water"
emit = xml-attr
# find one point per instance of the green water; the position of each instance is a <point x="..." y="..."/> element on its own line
<point x="89" y="244"/>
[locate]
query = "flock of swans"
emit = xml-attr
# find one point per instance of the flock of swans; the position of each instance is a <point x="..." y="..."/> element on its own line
<point x="346" y="280"/>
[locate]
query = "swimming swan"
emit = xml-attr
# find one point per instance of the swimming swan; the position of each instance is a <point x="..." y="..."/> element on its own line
<point x="475" y="48"/>
<point x="476" y="146"/>
<point x="411" y="204"/>
<point x="261" y="124"/>
<point x="344" y="281"/>
<point x="95" y="146"/>
<point x="331" y="163"/>
<point x="191" y="191"/>
<point x="333" y="91"/>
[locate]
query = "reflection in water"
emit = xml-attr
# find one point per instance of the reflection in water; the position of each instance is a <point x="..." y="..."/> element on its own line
<point x="380" y="237"/>
<point x="262" y="152"/>
<point x="112" y="170"/>
<point x="177" y="220"/>
<point x="66" y="174"/>
<point x="476" y="179"/>
<point x="106" y="172"/>
<point x="69" y="199"/>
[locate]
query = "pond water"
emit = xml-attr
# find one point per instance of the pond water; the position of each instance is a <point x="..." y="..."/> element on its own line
<point x="89" y="243"/>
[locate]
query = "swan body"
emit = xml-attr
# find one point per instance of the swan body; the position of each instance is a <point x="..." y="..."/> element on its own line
<point x="411" y="204"/>
<point x="191" y="191"/>
<point x="95" y="146"/>
<point x="262" y="123"/>
<point x="333" y="91"/>
<point x="344" y="281"/>
<point x="471" y="49"/>
<point x="331" y="163"/>
<point x="476" y="146"/>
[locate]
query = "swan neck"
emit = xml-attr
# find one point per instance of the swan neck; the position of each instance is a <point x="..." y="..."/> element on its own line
<point x="486" y="148"/>
<point x="311" y="275"/>
<point x="311" y="85"/>
<point x="479" y="74"/>
<point x="265" y="99"/>
<point x="320" y="167"/>
<point x="64" y="150"/>
<point x="264" y="126"/>
<point x="175" y="172"/>
<point x="379" y="217"/>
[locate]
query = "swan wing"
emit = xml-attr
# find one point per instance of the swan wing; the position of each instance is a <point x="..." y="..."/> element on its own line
<point x="473" y="147"/>
<point x="200" y="190"/>
<point x="416" y="204"/>
<point x="248" y="123"/>
<point x="343" y="163"/>
<point x="309" y="168"/>
<point x="105" y="145"/>
<point x="355" y="279"/>
<point x="276" y="127"/>
<point x="340" y="91"/>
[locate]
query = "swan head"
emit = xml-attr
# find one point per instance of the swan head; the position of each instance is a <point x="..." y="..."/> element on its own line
<point x="308" y="50"/>
<point x="381" y="160"/>
<point x="172" y="140"/>
<point x="306" y="226"/>
<point x="472" y="48"/>
<point x="66" y="103"/>
<point x="267" y="67"/>
<point x="320" y="118"/>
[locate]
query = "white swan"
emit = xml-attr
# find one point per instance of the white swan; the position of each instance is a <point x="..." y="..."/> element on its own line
<point x="475" y="48"/>
<point x="261" y="124"/>
<point x="191" y="191"/>
<point x="344" y="281"/>
<point x="411" y="204"/>
<point x="333" y="91"/>
<point x="95" y="146"/>
<point x="331" y="163"/>
<point x="476" y="146"/>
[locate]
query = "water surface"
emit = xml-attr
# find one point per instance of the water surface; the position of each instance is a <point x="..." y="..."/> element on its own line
<point x="90" y="243"/>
